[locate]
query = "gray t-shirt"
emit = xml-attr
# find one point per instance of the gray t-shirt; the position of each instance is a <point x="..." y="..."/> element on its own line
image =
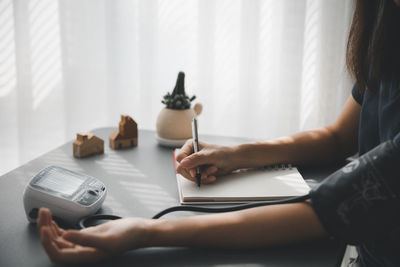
<point x="380" y="115"/>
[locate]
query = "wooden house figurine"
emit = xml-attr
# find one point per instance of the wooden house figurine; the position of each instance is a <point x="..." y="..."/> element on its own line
<point x="127" y="135"/>
<point x="87" y="144"/>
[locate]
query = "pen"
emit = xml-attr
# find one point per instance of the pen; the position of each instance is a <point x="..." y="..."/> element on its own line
<point x="195" y="136"/>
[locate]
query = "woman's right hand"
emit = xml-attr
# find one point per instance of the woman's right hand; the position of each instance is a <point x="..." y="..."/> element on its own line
<point x="214" y="160"/>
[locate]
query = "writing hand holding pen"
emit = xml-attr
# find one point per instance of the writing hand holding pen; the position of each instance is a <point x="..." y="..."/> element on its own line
<point x="214" y="160"/>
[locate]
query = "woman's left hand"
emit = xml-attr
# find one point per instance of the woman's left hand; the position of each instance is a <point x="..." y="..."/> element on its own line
<point x="91" y="244"/>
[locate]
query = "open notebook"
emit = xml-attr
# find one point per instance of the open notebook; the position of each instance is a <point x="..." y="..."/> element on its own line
<point x="244" y="186"/>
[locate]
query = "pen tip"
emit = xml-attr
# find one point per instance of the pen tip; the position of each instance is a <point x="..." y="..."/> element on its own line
<point x="198" y="179"/>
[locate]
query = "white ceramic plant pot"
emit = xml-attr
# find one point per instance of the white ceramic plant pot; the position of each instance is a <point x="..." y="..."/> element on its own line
<point x="174" y="127"/>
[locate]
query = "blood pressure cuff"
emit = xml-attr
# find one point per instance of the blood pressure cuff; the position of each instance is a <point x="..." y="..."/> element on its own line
<point x="361" y="202"/>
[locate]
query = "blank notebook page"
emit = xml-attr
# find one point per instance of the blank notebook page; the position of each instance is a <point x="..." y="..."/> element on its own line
<point x="245" y="186"/>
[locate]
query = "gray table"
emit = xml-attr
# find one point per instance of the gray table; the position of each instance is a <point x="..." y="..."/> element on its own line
<point x="141" y="182"/>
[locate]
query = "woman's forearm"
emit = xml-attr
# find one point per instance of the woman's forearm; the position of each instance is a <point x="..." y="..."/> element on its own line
<point x="319" y="146"/>
<point x="257" y="227"/>
<point x="312" y="147"/>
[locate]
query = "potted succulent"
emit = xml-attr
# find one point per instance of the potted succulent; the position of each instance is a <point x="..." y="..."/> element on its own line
<point x="174" y="121"/>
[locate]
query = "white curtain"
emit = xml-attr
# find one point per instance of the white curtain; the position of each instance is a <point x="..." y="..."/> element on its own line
<point x="261" y="68"/>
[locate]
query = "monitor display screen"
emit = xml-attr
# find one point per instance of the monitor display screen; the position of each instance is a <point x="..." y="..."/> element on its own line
<point x="64" y="183"/>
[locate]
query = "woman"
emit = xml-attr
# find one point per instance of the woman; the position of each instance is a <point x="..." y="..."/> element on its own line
<point x="370" y="117"/>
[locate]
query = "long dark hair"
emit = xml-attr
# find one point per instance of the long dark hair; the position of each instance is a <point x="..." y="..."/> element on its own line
<point x="373" y="47"/>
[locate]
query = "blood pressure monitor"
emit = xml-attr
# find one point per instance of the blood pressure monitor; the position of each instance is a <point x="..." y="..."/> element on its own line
<point x="69" y="195"/>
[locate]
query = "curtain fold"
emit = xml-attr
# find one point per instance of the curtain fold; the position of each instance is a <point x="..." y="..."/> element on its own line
<point x="261" y="68"/>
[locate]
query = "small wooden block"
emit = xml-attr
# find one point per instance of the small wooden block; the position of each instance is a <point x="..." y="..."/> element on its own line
<point x="127" y="135"/>
<point x="87" y="144"/>
<point x="127" y="127"/>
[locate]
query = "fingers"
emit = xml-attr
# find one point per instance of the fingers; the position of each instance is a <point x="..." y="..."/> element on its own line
<point x="209" y="180"/>
<point x="184" y="172"/>
<point x="48" y="242"/>
<point x="196" y="159"/>
<point x="185" y="151"/>
<point x="44" y="218"/>
<point x="58" y="230"/>
<point x="209" y="170"/>
<point x="62" y="243"/>
<point x="69" y="254"/>
<point x="52" y="231"/>
<point x="207" y="174"/>
<point x="187" y="163"/>
<point x="45" y="221"/>
<point x="85" y="239"/>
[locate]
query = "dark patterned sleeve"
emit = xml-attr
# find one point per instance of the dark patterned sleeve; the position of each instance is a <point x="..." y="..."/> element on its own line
<point x="358" y="97"/>
<point x="360" y="203"/>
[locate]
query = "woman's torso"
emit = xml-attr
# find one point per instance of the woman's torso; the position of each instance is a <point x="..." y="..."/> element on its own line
<point x="379" y="122"/>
